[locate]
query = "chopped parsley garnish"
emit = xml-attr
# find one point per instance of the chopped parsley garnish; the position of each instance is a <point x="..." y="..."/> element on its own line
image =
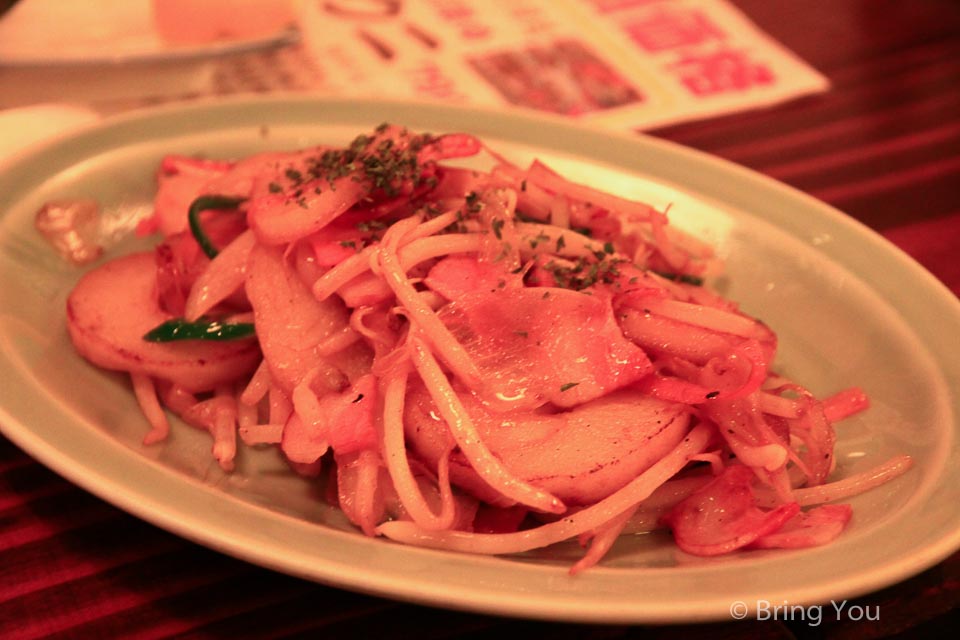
<point x="371" y="225"/>
<point x="583" y="273"/>
<point x="568" y="386"/>
<point x="388" y="165"/>
<point x="680" y="277"/>
<point x="473" y="202"/>
<point x="497" y="225"/>
<point x="540" y="237"/>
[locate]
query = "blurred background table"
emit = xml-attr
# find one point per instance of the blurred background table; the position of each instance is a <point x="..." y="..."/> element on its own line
<point x="882" y="145"/>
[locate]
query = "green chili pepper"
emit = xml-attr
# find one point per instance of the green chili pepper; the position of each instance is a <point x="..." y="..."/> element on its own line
<point x="180" y="329"/>
<point x="207" y="203"/>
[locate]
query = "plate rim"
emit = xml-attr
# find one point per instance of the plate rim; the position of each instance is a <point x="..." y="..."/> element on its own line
<point x="559" y="609"/>
<point x="172" y="54"/>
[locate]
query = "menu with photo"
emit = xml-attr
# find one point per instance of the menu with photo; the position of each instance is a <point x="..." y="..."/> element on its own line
<point x="627" y="64"/>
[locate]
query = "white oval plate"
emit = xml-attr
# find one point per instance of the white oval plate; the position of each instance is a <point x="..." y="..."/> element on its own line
<point x="849" y="309"/>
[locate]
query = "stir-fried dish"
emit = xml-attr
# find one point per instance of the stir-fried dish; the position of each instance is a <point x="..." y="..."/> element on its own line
<point x="483" y="361"/>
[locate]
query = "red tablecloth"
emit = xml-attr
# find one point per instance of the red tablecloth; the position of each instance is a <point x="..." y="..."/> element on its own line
<point x="883" y="145"/>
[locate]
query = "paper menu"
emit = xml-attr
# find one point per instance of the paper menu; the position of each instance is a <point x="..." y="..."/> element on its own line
<point x="626" y="64"/>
